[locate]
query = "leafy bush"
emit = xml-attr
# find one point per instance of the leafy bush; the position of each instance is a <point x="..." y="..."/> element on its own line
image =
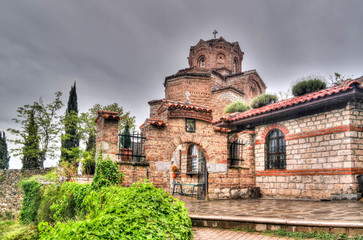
<point x="63" y="202"/>
<point x="10" y="230"/>
<point x="88" y="163"/>
<point x="31" y="201"/>
<point x="237" y="107"/>
<point x="263" y="100"/>
<point x="107" y="173"/>
<point x="139" y="212"/>
<point x="308" y="86"/>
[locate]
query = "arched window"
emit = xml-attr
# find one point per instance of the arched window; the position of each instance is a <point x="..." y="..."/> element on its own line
<point x="201" y="62"/>
<point x="235" y="64"/>
<point x="275" y="150"/>
<point x="193" y="156"/>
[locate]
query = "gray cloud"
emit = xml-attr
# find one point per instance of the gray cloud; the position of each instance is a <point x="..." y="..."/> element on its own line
<point x="121" y="51"/>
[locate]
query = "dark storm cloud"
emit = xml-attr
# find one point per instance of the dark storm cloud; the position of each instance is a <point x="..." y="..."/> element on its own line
<point x="121" y="51"/>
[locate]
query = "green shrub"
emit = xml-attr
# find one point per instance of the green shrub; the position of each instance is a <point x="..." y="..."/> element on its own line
<point x="63" y="202"/>
<point x="139" y="212"/>
<point x="31" y="201"/>
<point x="88" y="163"/>
<point x="107" y="173"/>
<point x="237" y="107"/>
<point x="308" y="86"/>
<point x="263" y="100"/>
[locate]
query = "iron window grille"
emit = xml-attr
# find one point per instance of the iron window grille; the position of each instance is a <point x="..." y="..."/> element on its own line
<point x="193" y="157"/>
<point x="275" y="150"/>
<point x="235" y="152"/>
<point x="135" y="151"/>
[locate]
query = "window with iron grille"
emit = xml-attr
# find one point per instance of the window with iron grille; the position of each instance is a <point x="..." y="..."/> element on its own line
<point x="131" y="147"/>
<point x="193" y="155"/>
<point x="275" y="150"/>
<point x="235" y="152"/>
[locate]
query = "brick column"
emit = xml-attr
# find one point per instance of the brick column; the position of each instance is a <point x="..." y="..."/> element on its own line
<point x="107" y="134"/>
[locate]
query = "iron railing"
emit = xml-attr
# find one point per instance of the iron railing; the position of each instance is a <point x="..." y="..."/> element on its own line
<point x="131" y="147"/>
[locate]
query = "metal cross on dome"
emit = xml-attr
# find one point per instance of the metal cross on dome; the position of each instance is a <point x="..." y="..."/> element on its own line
<point x="187" y="94"/>
<point x="215" y="33"/>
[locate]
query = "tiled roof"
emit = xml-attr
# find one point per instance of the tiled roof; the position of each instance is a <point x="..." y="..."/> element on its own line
<point x="157" y="122"/>
<point x="289" y="102"/>
<point x="108" y="115"/>
<point x="221" y="129"/>
<point x="187" y="106"/>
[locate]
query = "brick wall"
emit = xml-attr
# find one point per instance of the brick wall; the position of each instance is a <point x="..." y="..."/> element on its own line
<point x="198" y="87"/>
<point x="323" y="155"/>
<point x="221" y="99"/>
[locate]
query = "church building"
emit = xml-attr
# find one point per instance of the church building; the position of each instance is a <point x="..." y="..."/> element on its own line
<point x="308" y="147"/>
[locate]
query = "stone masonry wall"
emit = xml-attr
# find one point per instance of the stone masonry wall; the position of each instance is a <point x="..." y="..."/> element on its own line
<point x="323" y="155"/>
<point x="11" y="195"/>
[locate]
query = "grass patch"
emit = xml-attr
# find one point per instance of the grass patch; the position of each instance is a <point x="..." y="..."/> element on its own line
<point x="11" y="230"/>
<point x="310" y="235"/>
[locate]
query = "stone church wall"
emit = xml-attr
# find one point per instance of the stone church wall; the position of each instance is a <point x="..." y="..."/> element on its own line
<point x="324" y="154"/>
<point x="198" y="87"/>
<point x="223" y="182"/>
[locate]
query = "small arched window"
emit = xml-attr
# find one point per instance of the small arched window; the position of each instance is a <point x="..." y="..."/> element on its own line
<point x="235" y="65"/>
<point x="201" y="62"/>
<point x="193" y="156"/>
<point x="275" y="150"/>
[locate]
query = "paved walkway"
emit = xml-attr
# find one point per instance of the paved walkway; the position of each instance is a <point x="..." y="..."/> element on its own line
<point x="226" y="234"/>
<point x="324" y="211"/>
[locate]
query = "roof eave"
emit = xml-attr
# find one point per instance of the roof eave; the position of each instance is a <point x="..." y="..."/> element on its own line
<point x="354" y="93"/>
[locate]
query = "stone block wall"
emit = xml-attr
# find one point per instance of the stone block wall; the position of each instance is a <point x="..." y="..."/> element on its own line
<point x="323" y="155"/>
<point x="11" y="194"/>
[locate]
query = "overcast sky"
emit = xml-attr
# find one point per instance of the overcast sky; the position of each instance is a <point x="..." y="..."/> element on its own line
<point x="121" y="51"/>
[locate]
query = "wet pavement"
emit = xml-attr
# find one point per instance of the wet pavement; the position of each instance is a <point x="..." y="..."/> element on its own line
<point x="227" y="234"/>
<point x="302" y="210"/>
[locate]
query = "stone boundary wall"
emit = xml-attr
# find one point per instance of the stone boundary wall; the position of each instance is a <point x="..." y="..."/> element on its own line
<point x="11" y="194"/>
<point x="324" y="154"/>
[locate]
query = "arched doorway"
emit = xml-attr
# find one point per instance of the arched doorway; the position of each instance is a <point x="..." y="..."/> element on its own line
<point x="191" y="161"/>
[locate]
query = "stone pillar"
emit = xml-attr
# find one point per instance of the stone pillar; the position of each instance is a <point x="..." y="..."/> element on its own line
<point x="107" y="134"/>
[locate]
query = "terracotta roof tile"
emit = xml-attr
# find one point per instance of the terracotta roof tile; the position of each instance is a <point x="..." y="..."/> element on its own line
<point x="221" y="129"/>
<point x="187" y="106"/>
<point x="108" y="115"/>
<point x="157" y="122"/>
<point x="289" y="102"/>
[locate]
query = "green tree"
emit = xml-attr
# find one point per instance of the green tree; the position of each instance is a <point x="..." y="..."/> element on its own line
<point x="126" y="138"/>
<point x="70" y="139"/>
<point x="31" y="152"/>
<point x="46" y="119"/>
<point x="4" y="155"/>
<point x="88" y="126"/>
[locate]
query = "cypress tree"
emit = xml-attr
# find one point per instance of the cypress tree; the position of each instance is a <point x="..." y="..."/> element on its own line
<point x="31" y="149"/>
<point x="4" y="155"/>
<point x="71" y="138"/>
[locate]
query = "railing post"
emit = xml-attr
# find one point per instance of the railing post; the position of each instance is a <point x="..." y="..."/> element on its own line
<point x="107" y="134"/>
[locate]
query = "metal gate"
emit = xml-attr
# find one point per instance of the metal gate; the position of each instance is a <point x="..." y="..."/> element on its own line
<point x="202" y="177"/>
